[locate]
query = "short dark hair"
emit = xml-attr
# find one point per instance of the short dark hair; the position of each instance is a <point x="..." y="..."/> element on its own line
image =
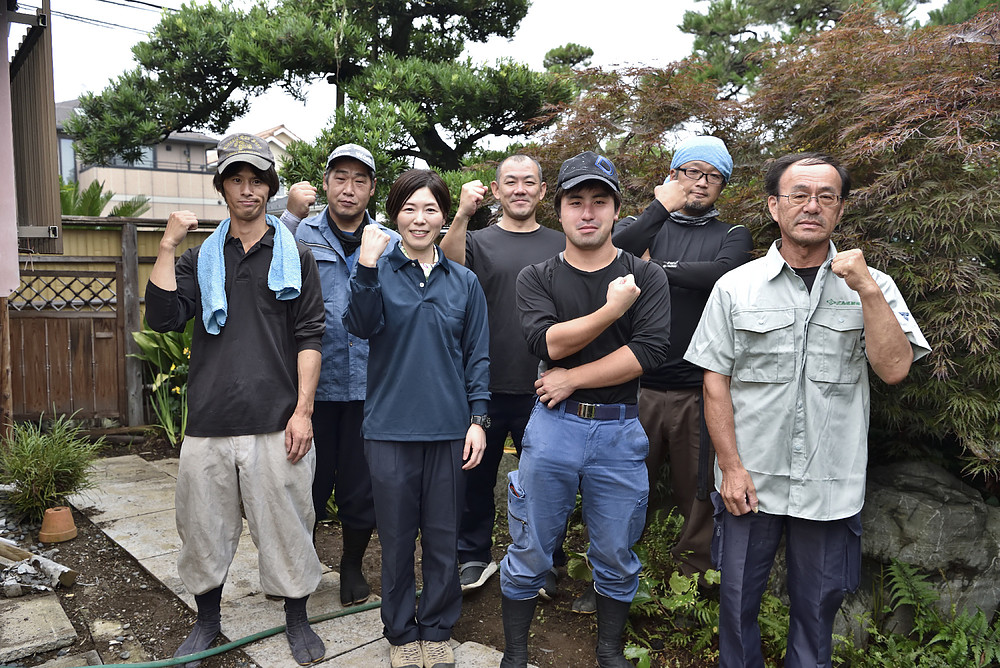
<point x="410" y="182"/>
<point x="270" y="177"/>
<point x="778" y="167"/>
<point x="519" y="157"/>
<point x="594" y="183"/>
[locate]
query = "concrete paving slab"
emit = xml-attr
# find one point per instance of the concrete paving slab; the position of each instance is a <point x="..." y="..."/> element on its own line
<point x="128" y="468"/>
<point x="168" y="466"/>
<point x="341" y="636"/>
<point x="146" y="535"/>
<point x="32" y="625"/>
<point x="164" y="569"/>
<point x="476" y="655"/>
<point x="91" y="658"/>
<point x="114" y="500"/>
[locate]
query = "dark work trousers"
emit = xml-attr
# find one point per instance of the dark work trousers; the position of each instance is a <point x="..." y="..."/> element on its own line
<point x="824" y="561"/>
<point x="341" y="467"/>
<point x="672" y="421"/>
<point x="418" y="486"/>
<point x="509" y="414"/>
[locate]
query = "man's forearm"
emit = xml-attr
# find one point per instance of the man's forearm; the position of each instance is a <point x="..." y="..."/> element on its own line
<point x="614" y="368"/>
<point x="162" y="275"/>
<point x="565" y="338"/>
<point x="889" y="351"/>
<point x="453" y="242"/>
<point x="719" y="419"/>
<point x="308" y="364"/>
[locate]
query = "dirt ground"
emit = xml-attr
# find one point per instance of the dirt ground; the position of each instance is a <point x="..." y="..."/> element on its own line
<point x="113" y="586"/>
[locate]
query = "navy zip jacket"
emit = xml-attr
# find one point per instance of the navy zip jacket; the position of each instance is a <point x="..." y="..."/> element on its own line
<point x="428" y="360"/>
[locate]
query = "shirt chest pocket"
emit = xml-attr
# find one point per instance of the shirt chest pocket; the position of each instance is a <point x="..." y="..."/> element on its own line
<point x="765" y="346"/>
<point x="834" y="351"/>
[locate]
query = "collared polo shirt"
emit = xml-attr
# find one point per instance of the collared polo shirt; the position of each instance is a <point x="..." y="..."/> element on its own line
<point x="429" y="361"/>
<point x="243" y="380"/>
<point x="799" y="381"/>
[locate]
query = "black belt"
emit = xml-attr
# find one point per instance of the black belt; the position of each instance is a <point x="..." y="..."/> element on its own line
<point x="599" y="411"/>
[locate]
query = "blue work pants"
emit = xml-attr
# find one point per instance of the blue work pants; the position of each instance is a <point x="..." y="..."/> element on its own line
<point x="606" y="461"/>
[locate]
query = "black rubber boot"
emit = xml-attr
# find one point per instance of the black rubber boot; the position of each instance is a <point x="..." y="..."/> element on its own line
<point x="306" y="646"/>
<point x="354" y="589"/>
<point x="517" y="616"/>
<point x="206" y="628"/>
<point x="612" y="616"/>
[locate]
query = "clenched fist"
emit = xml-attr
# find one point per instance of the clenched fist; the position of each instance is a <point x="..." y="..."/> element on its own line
<point x="622" y="293"/>
<point x="373" y="243"/>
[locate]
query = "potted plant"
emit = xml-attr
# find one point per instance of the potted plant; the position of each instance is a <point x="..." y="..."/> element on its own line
<point x="44" y="466"/>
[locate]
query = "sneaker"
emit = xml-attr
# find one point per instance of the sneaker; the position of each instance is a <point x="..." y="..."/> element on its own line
<point x="474" y="574"/>
<point x="587" y="603"/>
<point x="437" y="653"/>
<point x="406" y="656"/>
<point x="551" y="586"/>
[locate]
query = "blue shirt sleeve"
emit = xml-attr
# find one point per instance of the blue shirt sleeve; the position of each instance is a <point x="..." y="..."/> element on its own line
<point x="363" y="316"/>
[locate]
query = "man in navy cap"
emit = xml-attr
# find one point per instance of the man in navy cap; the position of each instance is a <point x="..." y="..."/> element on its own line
<point x="597" y="318"/>
<point x="334" y="236"/>
<point x="682" y="232"/>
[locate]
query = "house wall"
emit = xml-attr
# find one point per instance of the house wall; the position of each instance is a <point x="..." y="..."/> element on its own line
<point x="176" y="178"/>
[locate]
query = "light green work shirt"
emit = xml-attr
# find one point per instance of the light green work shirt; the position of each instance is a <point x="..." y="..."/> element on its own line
<point x="799" y="381"/>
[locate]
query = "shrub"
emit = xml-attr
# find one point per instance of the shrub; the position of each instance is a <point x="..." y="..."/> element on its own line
<point x="45" y="467"/>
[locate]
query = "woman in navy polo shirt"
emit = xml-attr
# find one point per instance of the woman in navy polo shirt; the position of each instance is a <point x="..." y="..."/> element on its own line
<point x="428" y="379"/>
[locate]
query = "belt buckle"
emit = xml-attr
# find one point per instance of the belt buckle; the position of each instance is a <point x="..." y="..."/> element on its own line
<point x="586" y="411"/>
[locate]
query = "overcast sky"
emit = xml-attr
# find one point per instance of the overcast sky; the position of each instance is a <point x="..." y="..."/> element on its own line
<point x="92" y="41"/>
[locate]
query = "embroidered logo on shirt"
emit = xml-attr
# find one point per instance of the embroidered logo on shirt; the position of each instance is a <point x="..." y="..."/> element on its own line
<point x="841" y="302"/>
<point x="905" y="315"/>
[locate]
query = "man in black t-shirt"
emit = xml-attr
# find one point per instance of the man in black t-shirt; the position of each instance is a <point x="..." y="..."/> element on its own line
<point x="598" y="318"/>
<point x="684" y="235"/>
<point x="496" y="255"/>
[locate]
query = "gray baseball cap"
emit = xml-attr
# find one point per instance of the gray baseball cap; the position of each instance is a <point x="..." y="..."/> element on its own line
<point x="242" y="147"/>
<point x="359" y="153"/>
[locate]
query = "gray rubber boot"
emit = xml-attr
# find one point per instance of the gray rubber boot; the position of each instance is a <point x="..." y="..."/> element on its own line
<point x="306" y="646"/>
<point x="206" y="628"/>
<point x="612" y="616"/>
<point x="354" y="589"/>
<point x="517" y="616"/>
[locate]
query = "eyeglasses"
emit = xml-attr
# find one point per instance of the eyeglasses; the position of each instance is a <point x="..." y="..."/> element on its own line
<point x="696" y="174"/>
<point x="801" y="199"/>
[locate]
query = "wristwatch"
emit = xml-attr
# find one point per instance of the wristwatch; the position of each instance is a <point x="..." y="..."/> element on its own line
<point x="482" y="420"/>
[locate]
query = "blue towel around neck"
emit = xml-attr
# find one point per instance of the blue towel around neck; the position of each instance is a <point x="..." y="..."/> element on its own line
<point x="284" y="276"/>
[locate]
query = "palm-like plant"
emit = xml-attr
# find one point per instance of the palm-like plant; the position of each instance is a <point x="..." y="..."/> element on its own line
<point x="91" y="201"/>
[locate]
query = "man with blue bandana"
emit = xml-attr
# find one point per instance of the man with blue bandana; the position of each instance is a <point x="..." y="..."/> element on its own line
<point x="695" y="248"/>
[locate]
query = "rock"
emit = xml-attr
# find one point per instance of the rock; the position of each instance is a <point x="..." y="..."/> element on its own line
<point x="12" y="588"/>
<point x="920" y="514"/>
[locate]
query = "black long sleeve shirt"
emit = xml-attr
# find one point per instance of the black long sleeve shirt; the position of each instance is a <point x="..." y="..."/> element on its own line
<point x="694" y="257"/>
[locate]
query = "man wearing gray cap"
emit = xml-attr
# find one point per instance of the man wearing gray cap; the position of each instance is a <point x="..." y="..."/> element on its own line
<point x="597" y="318"/>
<point x="334" y="236"/>
<point x="683" y="234"/>
<point x="254" y="294"/>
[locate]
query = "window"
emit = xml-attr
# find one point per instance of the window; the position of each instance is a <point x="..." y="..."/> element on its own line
<point x="67" y="160"/>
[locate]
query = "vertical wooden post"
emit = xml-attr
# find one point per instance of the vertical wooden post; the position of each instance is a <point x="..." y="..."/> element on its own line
<point x="129" y="303"/>
<point x="6" y="393"/>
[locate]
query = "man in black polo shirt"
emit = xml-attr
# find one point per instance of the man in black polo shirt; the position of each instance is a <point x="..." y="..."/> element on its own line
<point x="496" y="254"/>
<point x="255" y="359"/>
<point x="598" y="318"/>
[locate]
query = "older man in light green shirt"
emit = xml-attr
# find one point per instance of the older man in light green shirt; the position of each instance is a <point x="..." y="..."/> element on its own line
<point x="786" y="342"/>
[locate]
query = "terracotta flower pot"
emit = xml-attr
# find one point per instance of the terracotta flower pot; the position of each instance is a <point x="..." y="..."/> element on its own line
<point x="57" y="525"/>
